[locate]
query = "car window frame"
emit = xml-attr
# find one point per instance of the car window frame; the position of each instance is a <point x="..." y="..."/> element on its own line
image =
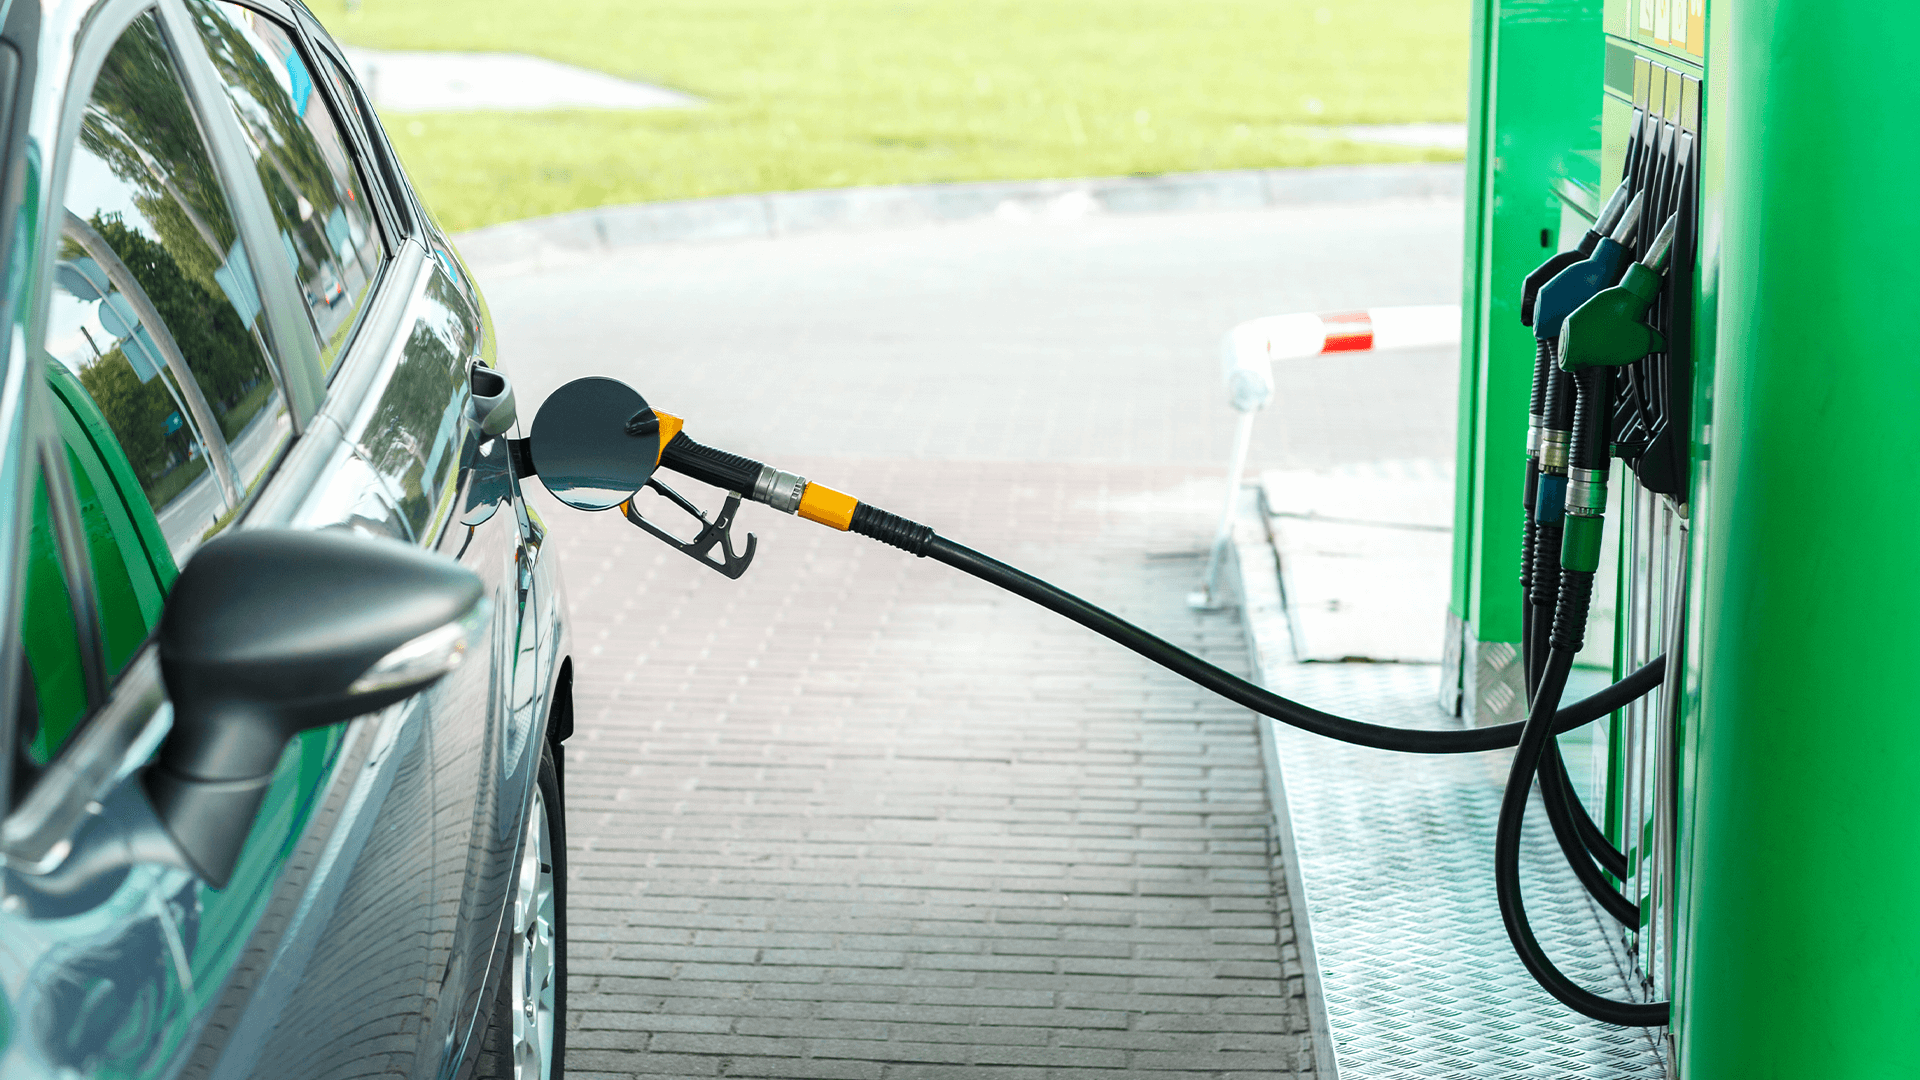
<point x="297" y="353"/>
<point x="409" y="219"/>
<point x="371" y="167"/>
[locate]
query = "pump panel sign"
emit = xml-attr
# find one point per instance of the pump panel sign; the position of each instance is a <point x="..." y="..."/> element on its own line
<point x="1676" y="24"/>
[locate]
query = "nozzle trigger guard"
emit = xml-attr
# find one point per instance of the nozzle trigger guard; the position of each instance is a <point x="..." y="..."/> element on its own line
<point x="715" y="533"/>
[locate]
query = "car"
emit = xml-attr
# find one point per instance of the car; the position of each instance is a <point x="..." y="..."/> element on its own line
<point x="289" y="674"/>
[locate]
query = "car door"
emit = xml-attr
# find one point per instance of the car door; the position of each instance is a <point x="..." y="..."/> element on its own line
<point x="222" y="207"/>
<point x="154" y="403"/>
<point x="409" y="462"/>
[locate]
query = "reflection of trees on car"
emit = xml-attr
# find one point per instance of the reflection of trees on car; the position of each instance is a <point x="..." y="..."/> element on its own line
<point x="182" y="249"/>
<point x="217" y="348"/>
<point x="140" y="124"/>
<point x="405" y="428"/>
<point x="290" y="165"/>
<point x="415" y="433"/>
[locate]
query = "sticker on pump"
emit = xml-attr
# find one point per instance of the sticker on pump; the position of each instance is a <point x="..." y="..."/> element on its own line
<point x="1662" y="19"/>
<point x="1646" y="14"/>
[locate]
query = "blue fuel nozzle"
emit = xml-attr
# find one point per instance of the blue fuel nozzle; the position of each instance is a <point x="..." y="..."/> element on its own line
<point x="1577" y="283"/>
<point x="1547" y="271"/>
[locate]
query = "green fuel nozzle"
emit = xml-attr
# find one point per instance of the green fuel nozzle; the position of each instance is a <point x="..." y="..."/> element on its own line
<point x="1610" y="330"/>
<point x="1547" y="271"/>
<point x="1577" y="283"/>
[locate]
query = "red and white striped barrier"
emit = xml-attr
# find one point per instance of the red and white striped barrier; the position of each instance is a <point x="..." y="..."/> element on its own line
<point x="1247" y="357"/>
<point x="1248" y="353"/>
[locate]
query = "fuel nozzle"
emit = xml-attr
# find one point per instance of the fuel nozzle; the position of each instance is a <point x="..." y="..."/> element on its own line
<point x="1547" y="271"/>
<point x="789" y="493"/>
<point x="1610" y="330"/>
<point x="1577" y="283"/>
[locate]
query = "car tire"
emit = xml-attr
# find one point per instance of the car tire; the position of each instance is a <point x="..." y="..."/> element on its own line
<point x="526" y="1035"/>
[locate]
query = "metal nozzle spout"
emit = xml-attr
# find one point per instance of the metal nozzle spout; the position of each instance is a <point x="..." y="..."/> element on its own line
<point x="1662" y="246"/>
<point x="1630" y="220"/>
<point x="1610" y="213"/>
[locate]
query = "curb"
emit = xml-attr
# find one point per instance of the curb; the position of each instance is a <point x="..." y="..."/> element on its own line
<point x="610" y="228"/>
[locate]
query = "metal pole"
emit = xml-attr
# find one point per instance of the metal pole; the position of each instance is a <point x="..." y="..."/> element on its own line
<point x="1208" y="595"/>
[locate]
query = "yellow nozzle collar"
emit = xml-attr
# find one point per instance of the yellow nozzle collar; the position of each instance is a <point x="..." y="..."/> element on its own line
<point x="670" y="426"/>
<point x="831" y="508"/>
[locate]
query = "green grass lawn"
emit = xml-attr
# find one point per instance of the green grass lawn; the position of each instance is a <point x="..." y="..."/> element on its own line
<point x="827" y="93"/>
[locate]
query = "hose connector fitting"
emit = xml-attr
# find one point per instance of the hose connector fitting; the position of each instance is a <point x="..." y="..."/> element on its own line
<point x="1553" y="451"/>
<point x="778" y="489"/>
<point x="1586" y="492"/>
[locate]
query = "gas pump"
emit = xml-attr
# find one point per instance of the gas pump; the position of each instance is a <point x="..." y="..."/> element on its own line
<point x="1613" y="336"/>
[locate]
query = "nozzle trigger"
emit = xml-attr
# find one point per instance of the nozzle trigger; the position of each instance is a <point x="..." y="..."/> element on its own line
<point x="717" y="532"/>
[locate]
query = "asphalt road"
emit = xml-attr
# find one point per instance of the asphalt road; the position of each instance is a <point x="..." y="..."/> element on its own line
<point x="1092" y="341"/>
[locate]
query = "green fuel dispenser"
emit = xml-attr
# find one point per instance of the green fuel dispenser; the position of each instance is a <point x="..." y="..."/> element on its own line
<point x="1760" y="418"/>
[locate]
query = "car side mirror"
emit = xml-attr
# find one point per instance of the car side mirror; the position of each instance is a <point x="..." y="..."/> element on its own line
<point x="271" y="632"/>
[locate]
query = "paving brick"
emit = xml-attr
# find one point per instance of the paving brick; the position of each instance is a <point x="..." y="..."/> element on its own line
<point x="857" y="816"/>
<point x="804" y="1069"/>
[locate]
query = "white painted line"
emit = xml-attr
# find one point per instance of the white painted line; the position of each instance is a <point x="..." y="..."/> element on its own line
<point x="448" y="81"/>
<point x="1447" y="136"/>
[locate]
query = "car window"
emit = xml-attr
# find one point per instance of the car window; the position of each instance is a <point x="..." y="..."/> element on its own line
<point x="304" y="161"/>
<point x="154" y="309"/>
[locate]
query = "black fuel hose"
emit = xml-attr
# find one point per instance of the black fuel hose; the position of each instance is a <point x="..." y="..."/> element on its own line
<point x="1591" y="837"/>
<point x="1557" y="794"/>
<point x="1545" y="718"/>
<point x="1541" y="720"/>
<point x="918" y="539"/>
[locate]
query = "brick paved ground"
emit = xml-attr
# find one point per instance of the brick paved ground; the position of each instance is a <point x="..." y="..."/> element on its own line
<point x="857" y="815"/>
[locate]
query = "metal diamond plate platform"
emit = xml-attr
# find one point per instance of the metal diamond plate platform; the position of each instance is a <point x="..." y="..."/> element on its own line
<point x="1390" y="866"/>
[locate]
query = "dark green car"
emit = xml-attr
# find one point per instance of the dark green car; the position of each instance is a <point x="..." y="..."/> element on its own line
<point x="253" y="437"/>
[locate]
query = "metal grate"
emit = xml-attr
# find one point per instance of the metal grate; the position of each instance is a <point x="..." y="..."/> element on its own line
<point x="1391" y="880"/>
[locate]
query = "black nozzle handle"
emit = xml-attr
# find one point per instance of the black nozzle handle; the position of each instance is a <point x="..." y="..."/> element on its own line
<point x="708" y="465"/>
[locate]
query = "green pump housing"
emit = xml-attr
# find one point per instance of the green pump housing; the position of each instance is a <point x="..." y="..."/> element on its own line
<point x="1760" y="520"/>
